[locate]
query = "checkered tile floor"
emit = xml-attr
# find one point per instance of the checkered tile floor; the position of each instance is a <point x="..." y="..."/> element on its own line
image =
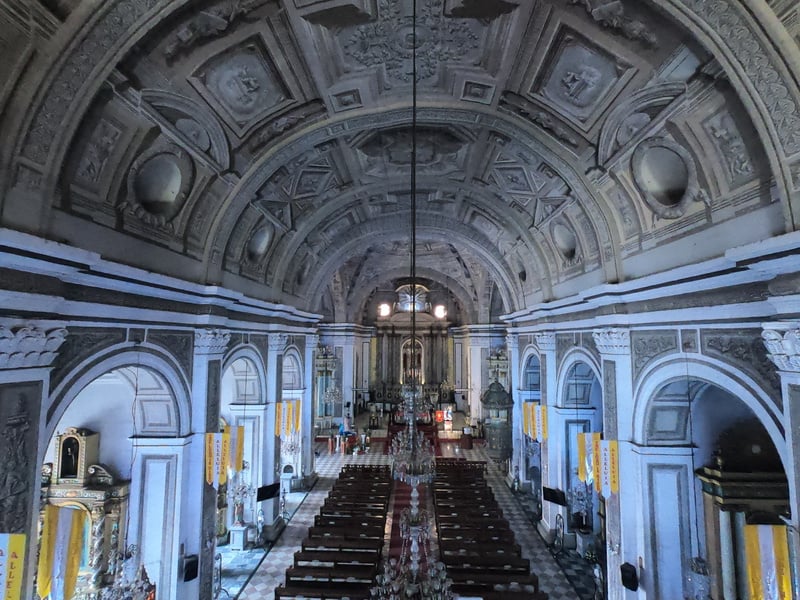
<point x="270" y="573"/>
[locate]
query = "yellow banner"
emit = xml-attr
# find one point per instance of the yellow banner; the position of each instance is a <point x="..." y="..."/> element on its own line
<point x="278" y="418"/>
<point x="289" y="419"/>
<point x="613" y="457"/>
<point x="239" y="453"/>
<point x="535" y="421"/>
<point x="44" y="577"/>
<point x="225" y="457"/>
<point x="297" y="415"/>
<point x="209" y="460"/>
<point x="12" y="560"/>
<point x="755" y="584"/>
<point x="783" y="570"/>
<point x="525" y="419"/>
<point x="544" y="422"/>
<point x="596" y="462"/>
<point x="582" y="456"/>
<point x="74" y="551"/>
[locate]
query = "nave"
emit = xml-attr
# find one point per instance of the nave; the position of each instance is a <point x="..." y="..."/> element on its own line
<point x="271" y="573"/>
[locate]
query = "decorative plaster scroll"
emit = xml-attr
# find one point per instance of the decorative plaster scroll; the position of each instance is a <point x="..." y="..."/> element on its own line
<point x="277" y="342"/>
<point x="647" y="345"/>
<point x="546" y="341"/>
<point x="783" y="348"/>
<point x="108" y="31"/>
<point x="29" y="346"/>
<point x="211" y="341"/>
<point x="612" y="341"/>
<point x="518" y="105"/>
<point x="744" y="349"/>
<point x="724" y="19"/>
<point x="178" y="343"/>
<point x="611" y="14"/>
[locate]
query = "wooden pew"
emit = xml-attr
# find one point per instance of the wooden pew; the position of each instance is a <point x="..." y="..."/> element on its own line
<point x="323" y="590"/>
<point x="336" y="558"/>
<point x="348" y="573"/>
<point x="342" y="544"/>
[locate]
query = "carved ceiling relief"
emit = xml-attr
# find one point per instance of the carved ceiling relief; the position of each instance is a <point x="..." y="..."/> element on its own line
<point x="388" y="152"/>
<point x="386" y="43"/>
<point x="565" y="242"/>
<point x="580" y="78"/>
<point x="724" y="133"/>
<point x="243" y="85"/>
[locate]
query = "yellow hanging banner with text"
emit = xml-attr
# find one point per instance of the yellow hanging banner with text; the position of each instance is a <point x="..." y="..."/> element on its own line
<point x="544" y="422"/>
<point x="297" y="415"/>
<point x="278" y="418"/>
<point x="12" y="558"/>
<point x="218" y="448"/>
<point x="236" y="447"/>
<point x="289" y="419"/>
<point x="613" y="467"/>
<point x="597" y="462"/>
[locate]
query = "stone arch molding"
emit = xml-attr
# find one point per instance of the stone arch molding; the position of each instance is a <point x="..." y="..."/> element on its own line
<point x="292" y="353"/>
<point x="117" y="357"/>
<point x="713" y="372"/>
<point x="746" y="36"/>
<point x="251" y="354"/>
<point x="573" y="357"/>
<point x="526" y="354"/>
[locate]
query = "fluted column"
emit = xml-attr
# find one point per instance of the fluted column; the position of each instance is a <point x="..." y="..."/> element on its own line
<point x="783" y="348"/>
<point x="27" y="353"/>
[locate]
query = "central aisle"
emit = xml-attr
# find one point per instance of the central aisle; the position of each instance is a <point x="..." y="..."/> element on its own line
<point x="270" y="574"/>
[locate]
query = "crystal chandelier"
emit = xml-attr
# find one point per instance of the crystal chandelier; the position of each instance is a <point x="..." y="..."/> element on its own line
<point x="414" y="576"/>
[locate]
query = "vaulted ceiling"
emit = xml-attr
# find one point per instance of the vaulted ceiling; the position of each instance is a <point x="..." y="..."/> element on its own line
<point x="265" y="145"/>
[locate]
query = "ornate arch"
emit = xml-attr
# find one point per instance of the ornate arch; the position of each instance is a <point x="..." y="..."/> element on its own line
<point x="714" y="372"/>
<point x="251" y="354"/>
<point x="573" y="357"/>
<point x="116" y="357"/>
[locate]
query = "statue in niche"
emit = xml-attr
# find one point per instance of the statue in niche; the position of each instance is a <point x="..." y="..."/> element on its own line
<point x="69" y="462"/>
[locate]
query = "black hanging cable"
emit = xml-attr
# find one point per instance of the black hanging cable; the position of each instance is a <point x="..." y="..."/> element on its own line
<point x="413" y="253"/>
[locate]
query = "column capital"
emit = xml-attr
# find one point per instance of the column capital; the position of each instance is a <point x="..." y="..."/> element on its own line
<point x="29" y="346"/>
<point x="312" y="341"/>
<point x="783" y="345"/>
<point x="211" y="341"/>
<point x="546" y="340"/>
<point x="512" y="342"/>
<point x="277" y="342"/>
<point x="612" y="341"/>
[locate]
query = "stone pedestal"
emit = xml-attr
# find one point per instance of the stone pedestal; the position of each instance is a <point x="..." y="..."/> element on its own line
<point x="238" y="537"/>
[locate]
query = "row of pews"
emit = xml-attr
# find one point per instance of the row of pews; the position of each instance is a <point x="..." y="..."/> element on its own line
<point x="339" y="557"/>
<point x="476" y="543"/>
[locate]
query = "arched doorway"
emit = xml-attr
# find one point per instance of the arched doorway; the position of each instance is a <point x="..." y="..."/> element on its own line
<point x="716" y="490"/>
<point x="99" y="459"/>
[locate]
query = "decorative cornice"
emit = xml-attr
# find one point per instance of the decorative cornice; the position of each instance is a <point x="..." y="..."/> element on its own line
<point x="29" y="346"/>
<point x="277" y="342"/>
<point x="546" y="341"/>
<point x="211" y="341"/>
<point x="612" y="341"/>
<point x="783" y="347"/>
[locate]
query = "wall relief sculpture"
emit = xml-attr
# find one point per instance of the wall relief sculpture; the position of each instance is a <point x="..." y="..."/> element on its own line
<point x="722" y="130"/>
<point x="98" y="149"/>
<point x="208" y="24"/>
<point x="19" y="416"/>
<point x="648" y="345"/>
<point x="611" y="14"/>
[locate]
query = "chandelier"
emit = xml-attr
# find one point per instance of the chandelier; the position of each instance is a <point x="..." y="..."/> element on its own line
<point x="414" y="575"/>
